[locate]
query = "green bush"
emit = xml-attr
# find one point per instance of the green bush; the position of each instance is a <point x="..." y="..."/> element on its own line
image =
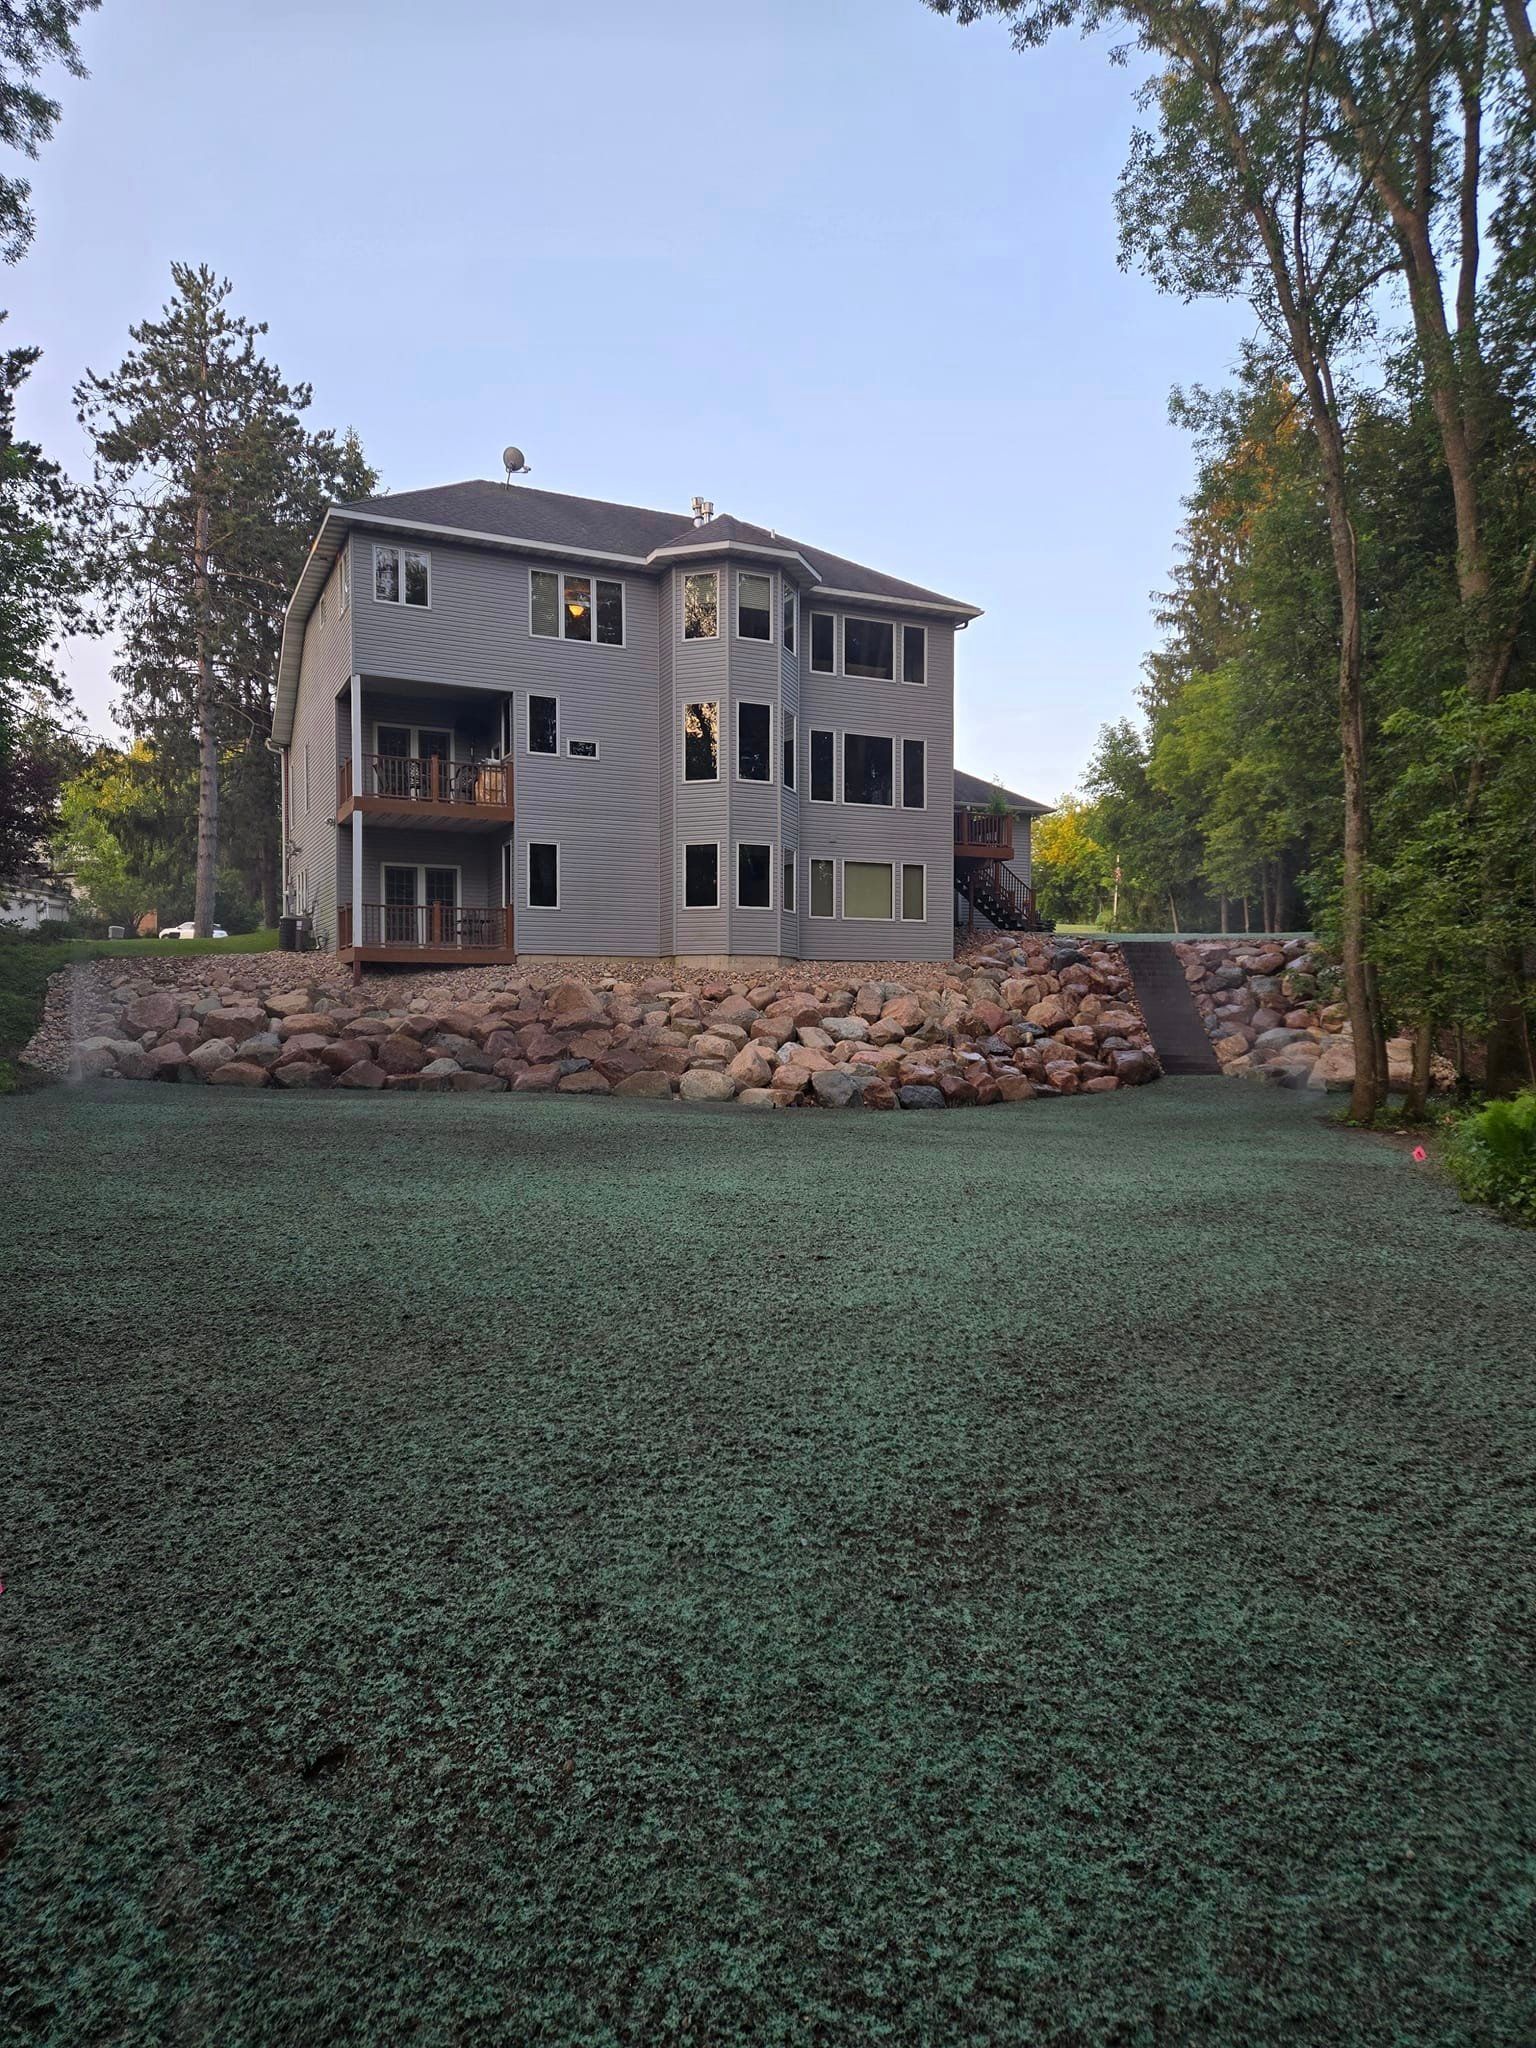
<point x="1492" y="1156"/>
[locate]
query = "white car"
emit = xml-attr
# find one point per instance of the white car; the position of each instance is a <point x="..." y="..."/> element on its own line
<point x="189" y="931"/>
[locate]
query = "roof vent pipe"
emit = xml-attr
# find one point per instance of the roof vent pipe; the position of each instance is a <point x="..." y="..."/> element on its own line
<point x="703" y="511"/>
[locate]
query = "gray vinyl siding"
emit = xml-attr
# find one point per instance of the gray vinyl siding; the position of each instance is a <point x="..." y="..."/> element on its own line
<point x="844" y="831"/>
<point x="477" y="856"/>
<point x="601" y="814"/>
<point x="700" y="674"/>
<point x="622" y="821"/>
<point x="324" y="668"/>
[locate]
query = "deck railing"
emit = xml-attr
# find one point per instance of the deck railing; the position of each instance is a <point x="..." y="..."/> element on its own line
<point x="483" y="785"/>
<point x="416" y="926"/>
<point x="984" y="833"/>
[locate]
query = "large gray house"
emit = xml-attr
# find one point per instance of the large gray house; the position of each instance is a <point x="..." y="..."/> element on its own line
<point x="513" y="721"/>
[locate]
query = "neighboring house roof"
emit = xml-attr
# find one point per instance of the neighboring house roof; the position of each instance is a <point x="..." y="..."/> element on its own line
<point x="973" y="789"/>
<point x="631" y="536"/>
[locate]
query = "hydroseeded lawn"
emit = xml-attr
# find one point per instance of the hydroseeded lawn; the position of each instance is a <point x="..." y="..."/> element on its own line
<point x="542" y="1571"/>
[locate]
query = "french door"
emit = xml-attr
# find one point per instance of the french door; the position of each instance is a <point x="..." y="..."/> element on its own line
<point x="421" y="905"/>
<point x="412" y="761"/>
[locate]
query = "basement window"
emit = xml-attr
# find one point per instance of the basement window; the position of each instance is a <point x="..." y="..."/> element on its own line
<point x="867" y="889"/>
<point x="914" y="892"/>
<point x="754" y="878"/>
<point x="822" y="902"/>
<point x="701" y="876"/>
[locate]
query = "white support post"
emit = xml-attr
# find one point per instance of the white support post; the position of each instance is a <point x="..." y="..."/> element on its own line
<point x="357" y="817"/>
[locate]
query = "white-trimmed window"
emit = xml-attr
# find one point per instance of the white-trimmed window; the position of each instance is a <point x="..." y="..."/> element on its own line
<point x="754" y="742"/>
<point x="914" y="775"/>
<point x="823" y="767"/>
<point x="701" y="743"/>
<point x="789" y="750"/>
<point x="914" y="892"/>
<point x="788" y="898"/>
<point x="508" y="873"/>
<point x="585" y="608"/>
<point x="543" y="724"/>
<point x="344" y="581"/>
<point x="581" y="750"/>
<point x="320" y="613"/>
<point x="868" y="769"/>
<point x="504" y="740"/>
<point x="754" y="605"/>
<point x="701" y="605"/>
<point x="914" y="654"/>
<point x="701" y="875"/>
<point x="754" y="876"/>
<point x="823" y="643"/>
<point x="823" y="888"/>
<point x="543" y="875"/>
<point x="869" y="649"/>
<point x="868" y="890"/>
<point x="306" y="780"/>
<point x="402" y="576"/>
<point x="791" y="607"/>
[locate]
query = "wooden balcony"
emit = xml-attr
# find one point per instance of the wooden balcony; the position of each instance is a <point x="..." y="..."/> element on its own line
<point x="399" y="789"/>
<point x="983" y="835"/>
<point x="429" y="934"/>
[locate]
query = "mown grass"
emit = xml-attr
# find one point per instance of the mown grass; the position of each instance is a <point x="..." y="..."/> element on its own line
<point x="501" y="1569"/>
<point x="27" y="963"/>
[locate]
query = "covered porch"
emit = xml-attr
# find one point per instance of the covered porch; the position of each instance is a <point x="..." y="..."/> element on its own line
<point x="424" y="804"/>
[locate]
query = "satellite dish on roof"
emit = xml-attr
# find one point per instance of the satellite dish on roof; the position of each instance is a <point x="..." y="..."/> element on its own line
<point x="513" y="463"/>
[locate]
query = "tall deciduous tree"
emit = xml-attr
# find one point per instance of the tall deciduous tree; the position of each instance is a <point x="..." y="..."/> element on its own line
<point x="210" y="486"/>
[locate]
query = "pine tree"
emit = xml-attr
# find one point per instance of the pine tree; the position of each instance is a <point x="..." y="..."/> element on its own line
<point x="209" y="488"/>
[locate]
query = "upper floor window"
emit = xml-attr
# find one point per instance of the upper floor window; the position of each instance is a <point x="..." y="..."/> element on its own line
<point x="320" y="612"/>
<point x="869" y="649"/>
<point x="789" y="619"/>
<point x="914" y="775"/>
<point x="754" y="606"/>
<point x="789" y="750"/>
<point x="914" y="654"/>
<point x="823" y="643"/>
<point x="823" y="768"/>
<point x="701" y="605"/>
<point x="867" y="769"/>
<point x="754" y="742"/>
<point x="701" y="743"/>
<point x="402" y="576"/>
<point x="543" y="725"/>
<point x="344" y="580"/>
<point x="576" y="608"/>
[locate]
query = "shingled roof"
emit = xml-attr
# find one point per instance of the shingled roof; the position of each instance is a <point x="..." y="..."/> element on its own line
<point x="553" y="523"/>
<point x="593" y="526"/>
<point x="974" y="789"/>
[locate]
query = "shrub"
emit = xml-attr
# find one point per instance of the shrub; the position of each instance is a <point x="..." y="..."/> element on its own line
<point x="1492" y="1156"/>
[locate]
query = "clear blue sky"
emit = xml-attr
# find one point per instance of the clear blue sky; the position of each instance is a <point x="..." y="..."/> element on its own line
<point x="838" y="265"/>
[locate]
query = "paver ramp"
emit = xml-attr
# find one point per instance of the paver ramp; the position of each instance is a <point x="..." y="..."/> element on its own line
<point x="1169" y="1009"/>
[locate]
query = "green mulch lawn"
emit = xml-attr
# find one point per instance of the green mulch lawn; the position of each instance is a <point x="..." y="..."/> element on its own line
<point x="26" y="964"/>
<point x="535" y="1571"/>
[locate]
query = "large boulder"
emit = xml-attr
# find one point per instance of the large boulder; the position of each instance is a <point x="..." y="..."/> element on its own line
<point x="291" y="1004"/>
<point x="156" y="1012"/>
<point x="706" y="1084"/>
<point x="914" y="1095"/>
<point x="238" y="1074"/>
<point x="648" y="1082"/>
<point x="837" y="1088"/>
<point x="751" y="1068"/>
<point x="1049" y="1014"/>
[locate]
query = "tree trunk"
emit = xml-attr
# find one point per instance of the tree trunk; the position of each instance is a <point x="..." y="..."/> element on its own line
<point x="1173" y="910"/>
<point x="1247" y="919"/>
<point x="207" y="740"/>
<point x="1525" y="43"/>
<point x="1509" y="1064"/>
<point x="1418" y="1087"/>
<point x="1223" y="917"/>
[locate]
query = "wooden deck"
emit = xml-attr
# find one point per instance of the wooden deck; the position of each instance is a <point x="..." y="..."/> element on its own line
<point x="981" y="835"/>
<point x="457" y="796"/>
<point x="425" y="935"/>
